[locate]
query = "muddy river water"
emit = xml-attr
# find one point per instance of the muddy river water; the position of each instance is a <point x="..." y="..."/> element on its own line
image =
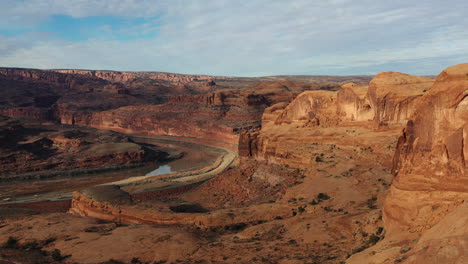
<point x="195" y="156"/>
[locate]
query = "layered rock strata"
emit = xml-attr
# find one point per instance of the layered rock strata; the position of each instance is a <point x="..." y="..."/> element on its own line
<point x="353" y="103"/>
<point x="112" y="204"/>
<point x="394" y="96"/>
<point x="430" y="160"/>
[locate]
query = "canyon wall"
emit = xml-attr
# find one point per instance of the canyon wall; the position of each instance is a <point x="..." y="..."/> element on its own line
<point x="124" y="77"/>
<point x="394" y="96"/>
<point x="425" y="212"/>
<point x="389" y="99"/>
<point x="310" y="108"/>
<point x="156" y="120"/>
<point x="353" y="103"/>
<point x="430" y="160"/>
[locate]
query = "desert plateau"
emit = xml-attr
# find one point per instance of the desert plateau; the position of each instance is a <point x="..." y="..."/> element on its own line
<point x="293" y="133"/>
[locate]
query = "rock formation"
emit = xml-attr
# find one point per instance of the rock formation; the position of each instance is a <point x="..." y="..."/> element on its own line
<point x="315" y="164"/>
<point x="311" y="108"/>
<point x="353" y="103"/>
<point x="425" y="210"/>
<point x="28" y="152"/>
<point x="429" y="164"/>
<point x="393" y="96"/>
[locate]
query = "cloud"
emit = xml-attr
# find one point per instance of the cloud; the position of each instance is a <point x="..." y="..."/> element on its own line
<point x="250" y="38"/>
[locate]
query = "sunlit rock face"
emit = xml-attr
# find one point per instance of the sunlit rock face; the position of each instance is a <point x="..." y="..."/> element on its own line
<point x="431" y="177"/>
<point x="394" y="96"/>
<point x="353" y="103"/>
<point x="310" y="108"/>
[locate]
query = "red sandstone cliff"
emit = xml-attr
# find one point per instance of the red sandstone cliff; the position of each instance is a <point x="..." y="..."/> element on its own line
<point x="353" y="103"/>
<point x="430" y="161"/>
<point x="311" y="108"/>
<point x="157" y="120"/>
<point x="425" y="212"/>
<point x="393" y="96"/>
<point x="124" y="77"/>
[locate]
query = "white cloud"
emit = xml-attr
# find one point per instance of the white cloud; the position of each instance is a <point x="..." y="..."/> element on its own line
<point x="252" y="37"/>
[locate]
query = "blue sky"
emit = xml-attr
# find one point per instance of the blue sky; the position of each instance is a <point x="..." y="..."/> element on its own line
<point x="236" y="38"/>
<point x="105" y="27"/>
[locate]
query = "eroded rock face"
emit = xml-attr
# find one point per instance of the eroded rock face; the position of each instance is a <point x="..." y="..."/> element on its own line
<point x="157" y="120"/>
<point x="353" y="103"/>
<point x="430" y="161"/>
<point x="393" y="96"/>
<point x="310" y="108"/>
<point x="116" y="76"/>
<point x="115" y="206"/>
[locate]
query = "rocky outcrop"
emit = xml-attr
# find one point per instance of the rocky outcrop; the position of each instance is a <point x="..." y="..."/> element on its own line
<point x="109" y="203"/>
<point x="393" y="96"/>
<point x="272" y="113"/>
<point x="430" y="160"/>
<point x="156" y="120"/>
<point x="67" y="81"/>
<point x="125" y="77"/>
<point x="310" y="108"/>
<point x="29" y="112"/>
<point x="353" y="103"/>
<point x="248" y="143"/>
<point x="26" y="152"/>
<point x="207" y="99"/>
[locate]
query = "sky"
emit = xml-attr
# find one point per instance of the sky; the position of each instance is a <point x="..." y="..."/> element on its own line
<point x="235" y="38"/>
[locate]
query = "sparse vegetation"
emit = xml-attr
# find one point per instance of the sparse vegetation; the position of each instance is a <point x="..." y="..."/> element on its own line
<point x="188" y="208"/>
<point x="49" y="240"/>
<point x="322" y="197"/>
<point x="135" y="261"/>
<point x="57" y="255"/>
<point x="11" y="243"/>
<point x="373" y="239"/>
<point x="371" y="203"/>
<point x="302" y="209"/>
<point x="235" y="227"/>
<point x="31" y="245"/>
<point x="113" y="261"/>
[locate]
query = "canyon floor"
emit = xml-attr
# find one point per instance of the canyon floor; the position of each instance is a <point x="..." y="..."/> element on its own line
<point x="254" y="212"/>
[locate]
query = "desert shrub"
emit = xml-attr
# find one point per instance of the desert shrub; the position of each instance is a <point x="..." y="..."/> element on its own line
<point x="379" y="230"/>
<point x="31" y="245"/>
<point x="188" y="208"/>
<point x="301" y="209"/>
<point x="136" y="261"/>
<point x="11" y="243"/>
<point x="57" y="255"/>
<point x="371" y="203"/>
<point x="49" y="240"/>
<point x="323" y="196"/>
<point x="235" y="227"/>
<point x="113" y="261"/>
<point x="314" y="202"/>
<point x="373" y="239"/>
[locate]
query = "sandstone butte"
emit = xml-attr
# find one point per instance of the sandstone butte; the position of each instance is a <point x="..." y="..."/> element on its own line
<point x="331" y="158"/>
<point x="428" y="193"/>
